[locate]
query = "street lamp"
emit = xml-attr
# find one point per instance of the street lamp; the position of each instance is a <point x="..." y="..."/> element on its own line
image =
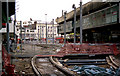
<point x="74" y="23"/>
<point x="21" y="35"/>
<point x="29" y="24"/>
<point x="38" y="33"/>
<point x="46" y="28"/>
<point x="53" y="29"/>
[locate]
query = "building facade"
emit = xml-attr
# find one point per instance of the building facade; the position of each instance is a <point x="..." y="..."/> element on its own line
<point x="41" y="30"/>
<point x="100" y="22"/>
<point x="38" y="33"/>
<point x="25" y="30"/>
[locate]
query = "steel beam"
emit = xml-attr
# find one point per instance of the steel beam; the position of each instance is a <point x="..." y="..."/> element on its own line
<point x="80" y="21"/>
<point x="79" y="61"/>
<point x="64" y="28"/>
<point x="8" y="45"/>
<point x="87" y="63"/>
<point x="74" y="23"/>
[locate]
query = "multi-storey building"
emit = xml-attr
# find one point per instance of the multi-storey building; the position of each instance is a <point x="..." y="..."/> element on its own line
<point x="26" y="30"/>
<point x="100" y="22"/>
<point x="36" y="31"/>
<point x="41" y="30"/>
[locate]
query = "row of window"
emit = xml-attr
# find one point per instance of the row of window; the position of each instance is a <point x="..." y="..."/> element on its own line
<point x="27" y="30"/>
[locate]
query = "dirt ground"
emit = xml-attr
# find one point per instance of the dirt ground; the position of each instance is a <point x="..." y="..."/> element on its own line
<point x="23" y="65"/>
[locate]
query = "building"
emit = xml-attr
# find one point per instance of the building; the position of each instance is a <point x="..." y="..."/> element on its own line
<point x="41" y="30"/>
<point x="26" y="30"/>
<point x="36" y="31"/>
<point x="100" y="22"/>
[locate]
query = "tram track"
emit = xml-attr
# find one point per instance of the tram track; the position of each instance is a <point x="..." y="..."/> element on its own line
<point x="48" y="66"/>
<point x="60" y="66"/>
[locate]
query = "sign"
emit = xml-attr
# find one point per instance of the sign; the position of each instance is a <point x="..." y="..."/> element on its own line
<point x="0" y="15"/>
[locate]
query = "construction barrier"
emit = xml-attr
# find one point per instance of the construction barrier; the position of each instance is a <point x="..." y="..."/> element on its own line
<point x="6" y="59"/>
<point x="88" y="49"/>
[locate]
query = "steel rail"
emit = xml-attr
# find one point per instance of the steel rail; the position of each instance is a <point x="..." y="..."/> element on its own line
<point x="38" y="73"/>
<point x="66" y="71"/>
<point x="34" y="67"/>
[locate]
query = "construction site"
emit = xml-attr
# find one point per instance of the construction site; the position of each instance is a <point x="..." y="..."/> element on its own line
<point x="82" y="42"/>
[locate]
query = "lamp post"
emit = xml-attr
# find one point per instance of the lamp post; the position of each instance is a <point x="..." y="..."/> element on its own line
<point x="74" y="23"/>
<point x="24" y="34"/>
<point x="38" y="33"/>
<point x="21" y="35"/>
<point x="46" y="28"/>
<point x="80" y="21"/>
<point x="53" y="29"/>
<point x="30" y="23"/>
<point x="64" y="28"/>
<point x="14" y="30"/>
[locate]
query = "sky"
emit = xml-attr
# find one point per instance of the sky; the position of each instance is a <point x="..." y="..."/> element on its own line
<point x="36" y="9"/>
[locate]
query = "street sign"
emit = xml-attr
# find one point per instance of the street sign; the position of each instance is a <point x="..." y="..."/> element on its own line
<point x="0" y="15"/>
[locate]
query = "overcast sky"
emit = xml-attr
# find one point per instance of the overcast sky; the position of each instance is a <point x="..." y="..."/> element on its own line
<point x="36" y="9"/>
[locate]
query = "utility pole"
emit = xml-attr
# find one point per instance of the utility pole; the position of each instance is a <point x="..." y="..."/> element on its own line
<point x="74" y="23"/>
<point x="53" y="30"/>
<point x="80" y="21"/>
<point x="64" y="28"/>
<point x="7" y="11"/>
<point x="46" y="28"/>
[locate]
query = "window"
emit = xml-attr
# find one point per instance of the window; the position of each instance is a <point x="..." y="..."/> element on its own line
<point x="51" y="35"/>
<point x="31" y="30"/>
<point x="27" y="30"/>
<point x="17" y="29"/>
